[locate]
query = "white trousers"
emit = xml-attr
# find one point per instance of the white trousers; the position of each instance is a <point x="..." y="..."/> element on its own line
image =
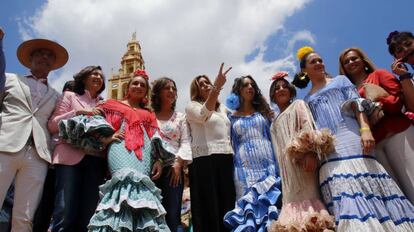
<point x="396" y="154"/>
<point x="29" y="172"/>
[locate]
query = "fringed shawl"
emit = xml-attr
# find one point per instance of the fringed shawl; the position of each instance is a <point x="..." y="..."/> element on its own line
<point x="294" y="134"/>
<point x="285" y="128"/>
<point x="135" y="122"/>
<point x="326" y="103"/>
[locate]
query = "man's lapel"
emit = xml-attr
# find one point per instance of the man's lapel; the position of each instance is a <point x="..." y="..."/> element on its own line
<point x="26" y="90"/>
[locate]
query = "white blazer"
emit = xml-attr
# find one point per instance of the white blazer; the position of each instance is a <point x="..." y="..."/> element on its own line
<point x="18" y="118"/>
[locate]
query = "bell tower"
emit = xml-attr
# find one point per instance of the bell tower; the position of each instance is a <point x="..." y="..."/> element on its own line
<point x="131" y="61"/>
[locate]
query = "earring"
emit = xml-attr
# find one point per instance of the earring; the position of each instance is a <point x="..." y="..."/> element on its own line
<point x="303" y="77"/>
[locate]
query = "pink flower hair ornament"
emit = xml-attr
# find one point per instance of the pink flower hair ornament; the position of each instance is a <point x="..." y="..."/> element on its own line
<point x="280" y="75"/>
<point x="142" y="73"/>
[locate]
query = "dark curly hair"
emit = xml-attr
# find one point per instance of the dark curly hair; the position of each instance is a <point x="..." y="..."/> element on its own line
<point x="290" y="87"/>
<point x="396" y="38"/>
<point x="259" y="102"/>
<point x="80" y="77"/>
<point x="157" y="86"/>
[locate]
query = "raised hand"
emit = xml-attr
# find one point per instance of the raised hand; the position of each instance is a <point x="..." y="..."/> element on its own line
<point x="398" y="67"/>
<point x="221" y="77"/>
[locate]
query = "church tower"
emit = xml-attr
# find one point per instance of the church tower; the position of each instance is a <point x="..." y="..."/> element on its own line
<point x="131" y="61"/>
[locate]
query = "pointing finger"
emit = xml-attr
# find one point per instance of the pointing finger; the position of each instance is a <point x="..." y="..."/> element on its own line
<point x="221" y="68"/>
<point x="225" y="73"/>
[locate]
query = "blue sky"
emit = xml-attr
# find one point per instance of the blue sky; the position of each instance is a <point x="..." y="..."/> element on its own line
<point x="337" y="25"/>
<point x="11" y="12"/>
<point x="365" y="24"/>
<point x="333" y="25"/>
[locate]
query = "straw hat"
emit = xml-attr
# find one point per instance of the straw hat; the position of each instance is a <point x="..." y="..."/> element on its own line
<point x="25" y="50"/>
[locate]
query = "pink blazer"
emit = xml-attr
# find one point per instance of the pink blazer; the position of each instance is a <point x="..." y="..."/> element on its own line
<point x="66" y="108"/>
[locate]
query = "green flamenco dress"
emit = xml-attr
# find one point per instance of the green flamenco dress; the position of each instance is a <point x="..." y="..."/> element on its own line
<point x="130" y="200"/>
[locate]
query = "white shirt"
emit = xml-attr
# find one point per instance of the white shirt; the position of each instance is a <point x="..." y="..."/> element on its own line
<point x="210" y="130"/>
<point x="37" y="90"/>
<point x="175" y="132"/>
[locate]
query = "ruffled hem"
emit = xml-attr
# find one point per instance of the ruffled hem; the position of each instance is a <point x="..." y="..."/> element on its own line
<point x="373" y="225"/>
<point x="127" y="220"/>
<point x="308" y="215"/>
<point x="256" y="209"/>
<point x="130" y="202"/>
<point x="320" y="142"/>
<point x="80" y="131"/>
<point x="394" y="209"/>
<point x="361" y="190"/>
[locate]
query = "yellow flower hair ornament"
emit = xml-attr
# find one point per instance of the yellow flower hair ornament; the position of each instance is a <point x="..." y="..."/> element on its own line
<point x="303" y="51"/>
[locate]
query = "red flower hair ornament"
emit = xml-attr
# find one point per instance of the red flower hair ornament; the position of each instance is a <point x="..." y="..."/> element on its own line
<point x="142" y="73"/>
<point x="280" y="75"/>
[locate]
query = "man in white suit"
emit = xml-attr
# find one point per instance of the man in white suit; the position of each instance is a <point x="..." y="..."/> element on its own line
<point x="26" y="103"/>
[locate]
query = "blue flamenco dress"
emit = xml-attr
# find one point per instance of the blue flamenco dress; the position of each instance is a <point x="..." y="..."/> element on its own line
<point x="256" y="177"/>
<point x="355" y="187"/>
<point x="130" y="200"/>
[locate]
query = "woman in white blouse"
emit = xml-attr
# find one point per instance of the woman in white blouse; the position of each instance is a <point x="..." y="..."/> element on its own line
<point x="211" y="172"/>
<point x="173" y="127"/>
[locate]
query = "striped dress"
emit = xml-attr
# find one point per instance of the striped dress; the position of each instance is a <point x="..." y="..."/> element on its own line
<point x="256" y="177"/>
<point x="355" y="187"/>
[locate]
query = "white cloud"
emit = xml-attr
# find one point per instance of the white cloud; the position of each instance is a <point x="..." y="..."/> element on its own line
<point x="179" y="39"/>
<point x="303" y="35"/>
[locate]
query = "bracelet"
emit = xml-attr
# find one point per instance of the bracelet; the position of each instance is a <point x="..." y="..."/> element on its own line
<point x="216" y="90"/>
<point x="362" y="129"/>
<point x="405" y="76"/>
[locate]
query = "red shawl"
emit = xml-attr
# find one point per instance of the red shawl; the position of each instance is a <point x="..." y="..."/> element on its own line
<point x="135" y="121"/>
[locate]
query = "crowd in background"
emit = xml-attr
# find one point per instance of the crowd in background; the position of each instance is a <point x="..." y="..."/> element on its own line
<point x="341" y="159"/>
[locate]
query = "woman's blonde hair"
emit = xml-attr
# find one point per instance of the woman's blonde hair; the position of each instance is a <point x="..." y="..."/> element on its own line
<point x="195" y="88"/>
